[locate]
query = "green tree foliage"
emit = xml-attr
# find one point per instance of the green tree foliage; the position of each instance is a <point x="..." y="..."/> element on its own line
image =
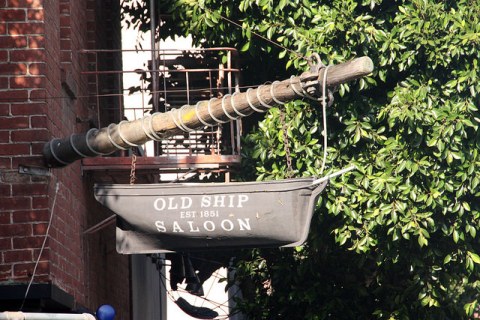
<point x="396" y="239"/>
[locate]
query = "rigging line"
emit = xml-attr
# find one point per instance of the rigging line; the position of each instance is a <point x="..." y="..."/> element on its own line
<point x="106" y="95"/>
<point x="324" y="116"/>
<point x="259" y="35"/>
<point x="57" y="187"/>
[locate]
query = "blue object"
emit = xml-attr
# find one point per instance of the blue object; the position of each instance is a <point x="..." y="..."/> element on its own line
<point x="105" y="312"/>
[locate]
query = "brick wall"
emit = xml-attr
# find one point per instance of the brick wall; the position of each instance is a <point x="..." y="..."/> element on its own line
<point x="43" y="95"/>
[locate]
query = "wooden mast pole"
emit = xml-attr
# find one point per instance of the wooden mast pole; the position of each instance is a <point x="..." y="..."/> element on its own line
<point x="126" y="134"/>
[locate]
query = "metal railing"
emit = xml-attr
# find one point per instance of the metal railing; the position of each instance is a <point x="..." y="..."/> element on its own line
<point x="182" y="77"/>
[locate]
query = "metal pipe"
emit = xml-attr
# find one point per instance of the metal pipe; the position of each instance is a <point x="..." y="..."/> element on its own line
<point x="44" y="316"/>
<point x="153" y="29"/>
<point x="159" y="126"/>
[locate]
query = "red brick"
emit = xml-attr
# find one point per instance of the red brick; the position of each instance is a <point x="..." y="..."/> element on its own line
<point x="15" y="203"/>
<point x="5" y="218"/>
<point x="65" y="44"/>
<point x="13" y="41"/>
<point x="14" y="123"/>
<point x="36" y="68"/>
<point x="3" y="56"/>
<point x="4" y="138"/>
<point x="27" y="242"/>
<point x="33" y="189"/>
<point x="22" y="28"/>
<point x="65" y="21"/>
<point x="30" y="55"/>
<point x="16" y="230"/>
<point x="3" y="28"/>
<point x="35" y="14"/>
<point x="13" y="96"/>
<point x="35" y="161"/>
<point x="24" y="3"/>
<point x="40" y="203"/>
<point x="5" y="272"/>
<point x="7" y="149"/>
<point x="64" y="8"/>
<point x="4" y="109"/>
<point x="12" y="15"/>
<point x="45" y="254"/>
<point x="17" y="256"/>
<point x="66" y="56"/>
<point x="5" y="163"/>
<point x="27" y="82"/>
<point x="39" y="121"/>
<point x="30" y="135"/>
<point x="27" y="108"/>
<point x="30" y="216"/>
<point x="3" y="83"/>
<point x="5" y="244"/>
<point x="37" y="147"/>
<point x="37" y="95"/>
<point x="21" y="270"/>
<point x="65" y="33"/>
<point x="13" y="69"/>
<point x="39" y="228"/>
<point x="36" y="42"/>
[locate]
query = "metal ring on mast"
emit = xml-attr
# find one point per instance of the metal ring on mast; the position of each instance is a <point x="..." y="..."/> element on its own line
<point x="109" y="136"/>
<point x="273" y="95"/>
<point x="260" y="100"/>
<point x="75" y="148"/>
<point x="211" y="115"/>
<point x="234" y="108"/>
<point x="119" y="130"/>
<point x="251" y="104"/>
<point x="89" y="146"/>
<point x="205" y="123"/>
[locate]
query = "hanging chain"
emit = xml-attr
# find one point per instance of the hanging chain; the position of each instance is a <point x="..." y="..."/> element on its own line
<point x="133" y="176"/>
<point x="286" y="143"/>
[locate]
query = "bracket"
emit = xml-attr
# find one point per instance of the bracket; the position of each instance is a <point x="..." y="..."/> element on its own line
<point x="34" y="171"/>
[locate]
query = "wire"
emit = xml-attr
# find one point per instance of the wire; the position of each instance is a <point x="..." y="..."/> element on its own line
<point x="259" y="35"/>
<point x="106" y="95"/>
<point x="57" y="187"/>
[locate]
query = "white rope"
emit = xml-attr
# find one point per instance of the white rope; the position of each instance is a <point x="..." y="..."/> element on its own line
<point x="272" y="89"/>
<point x="47" y="232"/>
<point x="119" y="130"/>
<point x="200" y="118"/>
<point x="234" y="108"/>
<point x="150" y="125"/>
<point x="333" y="175"/>
<point x="324" y="116"/>
<point x="88" y="143"/>
<point x="224" y="109"/>
<point x="251" y="104"/>
<point x="75" y="148"/>
<point x="109" y="136"/>
<point x="180" y="123"/>
<point x="260" y="100"/>
<point x="211" y="114"/>
<point x="150" y="132"/>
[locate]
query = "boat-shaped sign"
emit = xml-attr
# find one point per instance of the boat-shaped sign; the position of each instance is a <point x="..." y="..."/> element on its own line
<point x="197" y="216"/>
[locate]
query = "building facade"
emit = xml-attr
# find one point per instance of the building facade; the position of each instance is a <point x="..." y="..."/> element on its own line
<point x="45" y="94"/>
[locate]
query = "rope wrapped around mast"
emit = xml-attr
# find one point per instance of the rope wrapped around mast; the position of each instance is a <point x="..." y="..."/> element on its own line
<point x="159" y="126"/>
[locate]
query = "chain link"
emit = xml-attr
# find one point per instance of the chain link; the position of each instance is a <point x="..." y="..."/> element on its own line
<point x="133" y="176"/>
<point x="286" y="143"/>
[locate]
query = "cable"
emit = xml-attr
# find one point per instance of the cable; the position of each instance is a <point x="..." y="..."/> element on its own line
<point x="57" y="187"/>
<point x="259" y="35"/>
